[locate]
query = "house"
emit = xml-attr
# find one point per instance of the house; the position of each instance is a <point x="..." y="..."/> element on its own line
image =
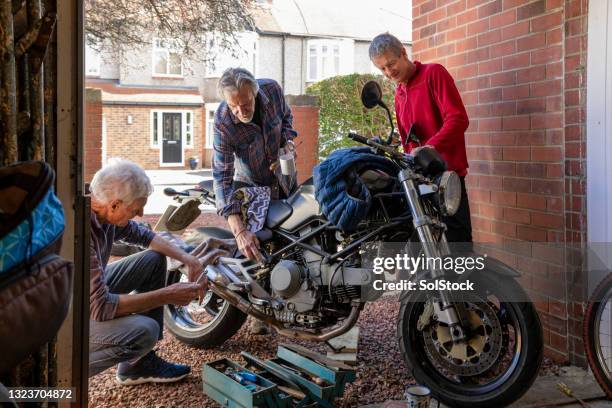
<point x="158" y="108"/>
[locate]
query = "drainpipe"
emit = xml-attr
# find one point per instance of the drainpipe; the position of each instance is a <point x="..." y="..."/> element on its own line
<point x="283" y="62"/>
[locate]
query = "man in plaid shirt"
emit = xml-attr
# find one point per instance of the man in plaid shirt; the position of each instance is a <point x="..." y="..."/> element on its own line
<point x="251" y="126"/>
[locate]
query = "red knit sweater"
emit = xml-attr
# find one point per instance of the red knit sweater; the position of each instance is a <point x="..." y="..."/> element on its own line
<point x="431" y="102"/>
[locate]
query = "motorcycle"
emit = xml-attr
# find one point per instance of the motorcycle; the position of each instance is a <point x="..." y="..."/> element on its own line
<point x="479" y="350"/>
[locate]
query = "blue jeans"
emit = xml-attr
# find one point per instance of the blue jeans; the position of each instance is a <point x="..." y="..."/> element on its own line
<point x="128" y="337"/>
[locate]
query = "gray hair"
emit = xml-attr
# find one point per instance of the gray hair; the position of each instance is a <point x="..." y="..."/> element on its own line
<point x="121" y="180"/>
<point x="383" y="43"/>
<point x="233" y="79"/>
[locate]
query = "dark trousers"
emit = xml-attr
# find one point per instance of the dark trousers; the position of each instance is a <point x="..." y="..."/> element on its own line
<point x="459" y="226"/>
<point x="128" y="337"/>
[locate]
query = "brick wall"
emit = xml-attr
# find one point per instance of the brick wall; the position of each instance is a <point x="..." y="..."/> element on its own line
<point x="519" y="66"/>
<point x="93" y="133"/>
<point x="133" y="141"/>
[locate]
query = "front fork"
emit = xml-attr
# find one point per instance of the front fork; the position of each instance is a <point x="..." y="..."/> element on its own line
<point x="444" y="309"/>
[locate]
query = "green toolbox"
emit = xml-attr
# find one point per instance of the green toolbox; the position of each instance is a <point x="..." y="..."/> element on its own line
<point x="296" y="378"/>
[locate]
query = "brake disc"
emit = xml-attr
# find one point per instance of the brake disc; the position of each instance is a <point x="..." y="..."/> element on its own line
<point x="475" y="355"/>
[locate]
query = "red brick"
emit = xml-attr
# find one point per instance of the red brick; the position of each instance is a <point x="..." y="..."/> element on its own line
<point x="531" y="74"/>
<point x="466" y="45"/>
<point x="547" y="220"/>
<point x="503" y="49"/>
<point x="531" y="201"/>
<point x="515" y="30"/>
<point x="428" y="30"/>
<point x="546" y="55"/>
<point x="547" y="121"/>
<point x="503" y="78"/>
<point x="489" y="95"/>
<point x="490" y="37"/>
<point x="467" y="71"/>
<point x="553" y="103"/>
<point x="531" y="10"/>
<point x="526" y="233"/>
<point x="490" y="211"/>
<point x="531" y="42"/>
<point x="515" y="92"/>
<point x="554" y="204"/>
<point x="516" y="122"/>
<point x="546" y="154"/>
<point x="503" y="19"/>
<point x="504" y="109"/>
<point x="480" y="54"/>
<point x="477" y="27"/>
<point x="530" y="106"/>
<point x="455" y="8"/>
<point x="503" y="228"/>
<point x="456" y="34"/>
<point x="446" y="24"/>
<point x="489" y="67"/>
<point x="517" y="215"/>
<point x="489" y="9"/>
<point x="505" y="198"/>
<point x="546" y="88"/>
<point x="516" y="61"/>
<point x="503" y="169"/>
<point x="548" y="187"/>
<point x="468" y="17"/>
<point x="547" y="21"/>
<point x="519" y="185"/>
<point x="436" y="15"/>
<point x="427" y="6"/>
<point x="554" y="36"/>
<point x="516" y="153"/>
<point x="478" y="195"/>
<point x="490" y="182"/>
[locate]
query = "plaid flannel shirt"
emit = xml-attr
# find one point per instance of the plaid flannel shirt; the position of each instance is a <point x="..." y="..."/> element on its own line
<point x="245" y="151"/>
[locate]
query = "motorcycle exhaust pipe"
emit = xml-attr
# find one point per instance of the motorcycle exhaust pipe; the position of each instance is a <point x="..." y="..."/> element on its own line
<point x="218" y="284"/>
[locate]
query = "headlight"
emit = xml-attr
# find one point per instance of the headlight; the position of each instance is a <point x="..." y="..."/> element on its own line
<point x="449" y="193"/>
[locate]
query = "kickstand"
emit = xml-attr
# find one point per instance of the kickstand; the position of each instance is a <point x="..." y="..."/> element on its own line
<point x="335" y="350"/>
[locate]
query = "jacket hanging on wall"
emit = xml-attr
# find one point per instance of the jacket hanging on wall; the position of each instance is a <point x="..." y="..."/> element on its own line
<point x="35" y="283"/>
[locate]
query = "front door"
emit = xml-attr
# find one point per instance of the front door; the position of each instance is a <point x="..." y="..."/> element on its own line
<point x="172" y="143"/>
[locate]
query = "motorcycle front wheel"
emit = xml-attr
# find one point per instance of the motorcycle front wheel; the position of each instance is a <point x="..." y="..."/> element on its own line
<point x="207" y="325"/>
<point x="496" y="365"/>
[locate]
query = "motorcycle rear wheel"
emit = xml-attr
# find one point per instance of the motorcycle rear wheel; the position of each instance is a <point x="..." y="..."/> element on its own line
<point x="498" y="385"/>
<point x="208" y="325"/>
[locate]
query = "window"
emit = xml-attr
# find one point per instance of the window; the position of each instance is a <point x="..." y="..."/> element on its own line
<point x="92" y="61"/>
<point x="327" y="58"/>
<point x="211" y="108"/>
<point x="157" y="127"/>
<point x="167" y="60"/>
<point x="246" y="54"/>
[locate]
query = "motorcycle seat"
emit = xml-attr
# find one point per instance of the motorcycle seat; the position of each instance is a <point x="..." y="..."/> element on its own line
<point x="278" y="211"/>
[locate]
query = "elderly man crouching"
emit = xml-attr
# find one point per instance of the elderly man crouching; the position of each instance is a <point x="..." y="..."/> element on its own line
<point x="127" y="296"/>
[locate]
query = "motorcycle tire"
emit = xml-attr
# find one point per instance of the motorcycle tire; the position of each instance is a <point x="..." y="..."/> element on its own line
<point x="601" y="297"/>
<point x="187" y="330"/>
<point x="464" y="392"/>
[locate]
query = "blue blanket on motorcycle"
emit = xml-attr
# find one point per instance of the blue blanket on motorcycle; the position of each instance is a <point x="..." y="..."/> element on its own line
<point x="344" y="198"/>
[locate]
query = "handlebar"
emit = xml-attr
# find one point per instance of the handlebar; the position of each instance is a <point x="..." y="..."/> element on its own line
<point x="169" y="191"/>
<point x="380" y="147"/>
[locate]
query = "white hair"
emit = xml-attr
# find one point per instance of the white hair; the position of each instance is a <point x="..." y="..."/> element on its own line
<point x="233" y="79"/>
<point x="121" y="180"/>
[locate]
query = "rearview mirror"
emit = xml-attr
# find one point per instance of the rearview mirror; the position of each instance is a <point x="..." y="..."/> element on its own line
<point x="371" y="94"/>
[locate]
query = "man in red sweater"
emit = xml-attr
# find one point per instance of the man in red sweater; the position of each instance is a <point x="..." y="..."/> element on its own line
<point x="428" y="104"/>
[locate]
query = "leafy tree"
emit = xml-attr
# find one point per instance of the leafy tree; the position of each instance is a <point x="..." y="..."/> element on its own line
<point x="341" y="110"/>
<point x="118" y="26"/>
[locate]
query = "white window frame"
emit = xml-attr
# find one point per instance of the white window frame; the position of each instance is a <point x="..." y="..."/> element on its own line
<point x="335" y="60"/>
<point x="169" y="50"/>
<point x="160" y="130"/>
<point x="248" y="47"/>
<point x="210" y="124"/>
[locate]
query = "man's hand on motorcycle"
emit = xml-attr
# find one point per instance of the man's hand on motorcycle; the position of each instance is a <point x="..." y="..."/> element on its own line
<point x="181" y="293"/>
<point x="194" y="272"/>
<point x="248" y="244"/>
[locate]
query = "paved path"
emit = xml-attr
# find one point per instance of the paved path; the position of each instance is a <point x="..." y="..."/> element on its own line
<point x="177" y="179"/>
<point x="544" y="393"/>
